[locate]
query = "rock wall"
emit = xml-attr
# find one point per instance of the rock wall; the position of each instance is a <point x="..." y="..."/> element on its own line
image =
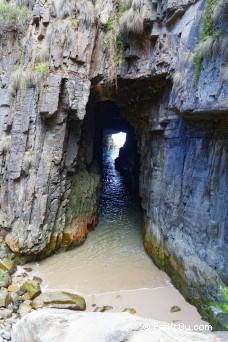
<point x="170" y="82"/>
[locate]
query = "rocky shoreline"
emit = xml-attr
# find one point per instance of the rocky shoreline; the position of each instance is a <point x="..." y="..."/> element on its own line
<point x="21" y="294"/>
<point x="23" y="305"/>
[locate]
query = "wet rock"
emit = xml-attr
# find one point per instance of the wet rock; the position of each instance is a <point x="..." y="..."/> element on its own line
<point x="59" y="300"/>
<point x="5" y="279"/>
<point x="129" y="310"/>
<point x="24" y="309"/>
<point x="37" y="279"/>
<point x="13" y="288"/>
<point x="14" y="299"/>
<point x="222" y="321"/>
<point x="103" y="308"/>
<point x="28" y="269"/>
<point x="4" y="298"/>
<point x="8" y="265"/>
<point x="21" y="291"/>
<point x="5" y="313"/>
<point x="32" y="289"/>
<point x="175" y="308"/>
<point x="26" y="296"/>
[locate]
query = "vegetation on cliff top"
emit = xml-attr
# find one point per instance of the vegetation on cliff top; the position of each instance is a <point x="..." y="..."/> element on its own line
<point x="83" y="10"/>
<point x="131" y="20"/>
<point x="14" y="18"/>
<point x="209" y="43"/>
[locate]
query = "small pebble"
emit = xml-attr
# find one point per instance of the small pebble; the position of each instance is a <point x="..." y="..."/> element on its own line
<point x="175" y="308"/>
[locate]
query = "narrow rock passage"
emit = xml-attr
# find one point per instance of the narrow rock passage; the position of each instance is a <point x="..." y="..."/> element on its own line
<point x="111" y="267"/>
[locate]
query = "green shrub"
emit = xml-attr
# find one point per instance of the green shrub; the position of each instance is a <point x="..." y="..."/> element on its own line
<point x="13" y="18"/>
<point x="42" y="68"/>
<point x="121" y="9"/>
<point x="119" y="48"/>
<point x="74" y="23"/>
<point x="110" y="24"/>
<point x="208" y="44"/>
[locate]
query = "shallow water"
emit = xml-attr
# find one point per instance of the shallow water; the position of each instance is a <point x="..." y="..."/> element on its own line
<point x="111" y="267"/>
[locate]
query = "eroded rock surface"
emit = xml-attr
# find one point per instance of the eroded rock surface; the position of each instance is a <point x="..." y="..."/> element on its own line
<point x="63" y="325"/>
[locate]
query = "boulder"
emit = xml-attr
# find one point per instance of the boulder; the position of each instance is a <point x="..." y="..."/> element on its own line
<point x="13" y="288"/>
<point x="24" y="309"/>
<point x="32" y="289"/>
<point x="64" y="325"/>
<point x="4" y="298"/>
<point x="5" y="279"/>
<point x="5" y="313"/>
<point x="59" y="300"/>
<point x="222" y="321"/>
<point x="7" y="265"/>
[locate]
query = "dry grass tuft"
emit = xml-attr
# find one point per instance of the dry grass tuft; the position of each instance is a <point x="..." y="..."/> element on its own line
<point x="132" y="21"/>
<point x="44" y="53"/>
<point x="177" y="78"/>
<point x="28" y="159"/>
<point x="188" y="57"/>
<point x="83" y="10"/>
<point x="132" y="18"/>
<point x="207" y="47"/>
<point x="5" y="143"/>
<point x="22" y="79"/>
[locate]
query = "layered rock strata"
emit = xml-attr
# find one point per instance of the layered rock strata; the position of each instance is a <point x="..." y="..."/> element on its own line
<point x="169" y="81"/>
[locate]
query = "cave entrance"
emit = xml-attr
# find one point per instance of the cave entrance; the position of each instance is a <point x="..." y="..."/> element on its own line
<point x="114" y="133"/>
<point x="113" y="140"/>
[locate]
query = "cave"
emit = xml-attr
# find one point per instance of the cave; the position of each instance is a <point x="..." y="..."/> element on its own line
<point x="102" y="120"/>
<point x="164" y="144"/>
<point x="109" y="120"/>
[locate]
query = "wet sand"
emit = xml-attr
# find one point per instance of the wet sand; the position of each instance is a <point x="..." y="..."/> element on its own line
<point x="111" y="267"/>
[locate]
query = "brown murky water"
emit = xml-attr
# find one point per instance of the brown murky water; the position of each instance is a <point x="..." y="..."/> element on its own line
<point x="111" y="267"/>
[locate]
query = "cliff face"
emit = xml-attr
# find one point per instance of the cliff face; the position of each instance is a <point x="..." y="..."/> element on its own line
<point x="169" y="84"/>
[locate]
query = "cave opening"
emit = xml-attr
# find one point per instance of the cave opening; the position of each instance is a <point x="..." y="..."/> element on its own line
<point x="115" y="148"/>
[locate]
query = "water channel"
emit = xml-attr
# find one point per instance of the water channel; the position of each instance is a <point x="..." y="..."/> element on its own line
<point x="111" y="267"/>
